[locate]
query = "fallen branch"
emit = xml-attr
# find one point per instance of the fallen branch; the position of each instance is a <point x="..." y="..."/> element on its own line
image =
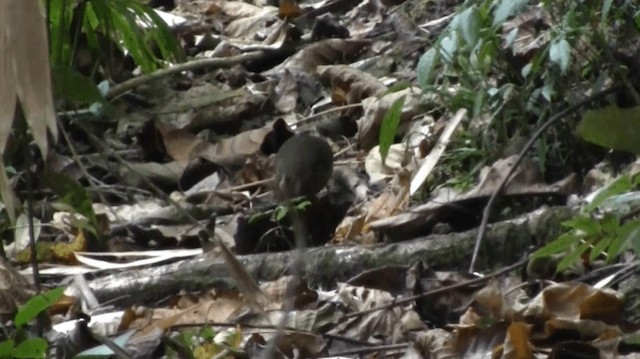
<point x="506" y="243"/>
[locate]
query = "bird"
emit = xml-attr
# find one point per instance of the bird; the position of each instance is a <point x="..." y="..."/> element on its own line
<point x="303" y="166"/>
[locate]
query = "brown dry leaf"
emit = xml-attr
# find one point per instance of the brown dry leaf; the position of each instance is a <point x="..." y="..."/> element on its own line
<point x="560" y="300"/>
<point x="26" y="77"/>
<point x="433" y="344"/>
<point x="339" y="95"/>
<point x="350" y="229"/>
<point x="217" y="310"/>
<point x="15" y="290"/>
<point x="304" y="345"/>
<point x="439" y="309"/>
<point x="498" y="301"/>
<point x="517" y="345"/>
<point x="394" y="199"/>
<point x="247" y="25"/>
<point x="179" y="144"/>
<point x="289" y="8"/>
<point x="584" y="329"/>
<point x="195" y="159"/>
<point x="205" y="106"/>
<point x="232" y="9"/>
<point x="390" y="279"/>
<point x="243" y="20"/>
<point x="530" y="26"/>
<point x="365" y="18"/>
<point x="381" y="324"/>
<point x="64" y="252"/>
<point x="475" y="342"/>
<point x="164" y="175"/>
<point x="285" y="94"/>
<point x="59" y="252"/>
<point x="288" y="288"/>
<point x="399" y="158"/>
<point x="356" y="84"/>
<point x="21" y="237"/>
<point x="525" y="176"/>
<point x="26" y="71"/>
<point x="244" y="143"/>
<point x="602" y="306"/>
<point x="325" y="52"/>
<point x="559" y="307"/>
<point x="443" y="200"/>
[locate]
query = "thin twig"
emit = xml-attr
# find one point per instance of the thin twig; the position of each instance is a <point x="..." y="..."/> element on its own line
<point x="478" y="280"/>
<point x="487" y="209"/>
<point x="188" y="66"/>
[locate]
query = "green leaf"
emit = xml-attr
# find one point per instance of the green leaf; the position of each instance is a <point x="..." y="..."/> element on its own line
<point x="31" y="348"/>
<point x="71" y="193"/>
<point x="585" y="224"/>
<point x="74" y="86"/>
<point x="627" y="234"/>
<point x="507" y="8"/>
<point x="612" y="127"/>
<point x="397" y="87"/>
<point x="600" y="247"/>
<point x="620" y="185"/>
<point x="609" y="224"/>
<point x="606" y="6"/>
<point x="572" y="256"/>
<point x="559" y="245"/>
<point x="560" y="54"/>
<point x="449" y="46"/>
<point x="207" y="333"/>
<point x="425" y="68"/>
<point x="35" y="305"/>
<point x="632" y="339"/>
<point x="60" y="20"/>
<point x="302" y="205"/>
<point x="635" y="242"/>
<point x="279" y="213"/>
<point x="470" y="25"/>
<point x="389" y="127"/>
<point x="6" y="348"/>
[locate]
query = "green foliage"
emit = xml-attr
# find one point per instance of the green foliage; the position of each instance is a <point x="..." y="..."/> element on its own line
<point x="604" y="234"/>
<point x="29" y="347"/>
<point x="512" y="77"/>
<point x="37" y="304"/>
<point x="389" y="127"/>
<point x="425" y="67"/>
<point x="281" y="211"/>
<point x="612" y="127"/>
<point x="560" y="54"/>
<point x="75" y="86"/>
<point x="98" y="30"/>
<point x="297" y="204"/>
<point x="507" y="8"/>
<point x="130" y="24"/>
<point x="72" y="194"/>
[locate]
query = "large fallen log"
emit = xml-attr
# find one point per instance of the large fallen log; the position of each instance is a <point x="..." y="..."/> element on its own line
<point x="505" y="242"/>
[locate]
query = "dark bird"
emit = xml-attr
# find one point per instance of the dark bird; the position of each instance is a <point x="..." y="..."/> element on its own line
<point x="304" y="165"/>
